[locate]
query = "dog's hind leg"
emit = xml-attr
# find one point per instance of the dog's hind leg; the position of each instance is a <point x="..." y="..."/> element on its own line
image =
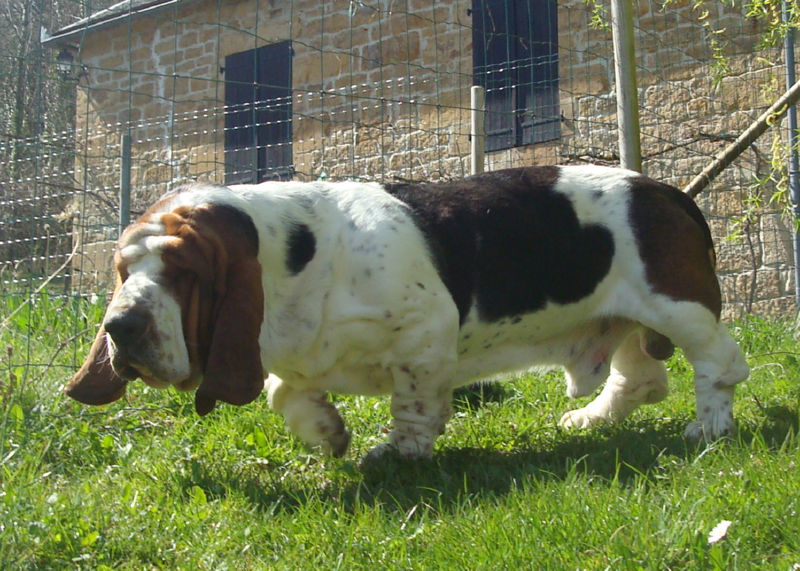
<point x="636" y="378"/>
<point x="719" y="365"/>
<point x="718" y="362"/>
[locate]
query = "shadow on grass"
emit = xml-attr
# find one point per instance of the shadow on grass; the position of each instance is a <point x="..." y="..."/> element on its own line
<point x="778" y="422"/>
<point x="453" y="474"/>
<point x="614" y="453"/>
<point x="620" y="454"/>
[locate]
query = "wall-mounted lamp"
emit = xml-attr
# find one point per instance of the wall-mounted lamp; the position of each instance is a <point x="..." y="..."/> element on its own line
<point x="65" y="62"/>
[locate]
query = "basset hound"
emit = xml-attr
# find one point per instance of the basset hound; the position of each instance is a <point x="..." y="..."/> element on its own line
<point x="414" y="289"/>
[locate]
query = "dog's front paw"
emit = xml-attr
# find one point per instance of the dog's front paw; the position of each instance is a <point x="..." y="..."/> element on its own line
<point x="581" y="418"/>
<point x="336" y="443"/>
<point x="698" y="430"/>
<point x="401" y="445"/>
<point x="380" y="452"/>
<point x="694" y="431"/>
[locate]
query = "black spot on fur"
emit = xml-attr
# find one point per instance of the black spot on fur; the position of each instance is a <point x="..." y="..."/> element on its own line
<point x="507" y="240"/>
<point x="300" y="249"/>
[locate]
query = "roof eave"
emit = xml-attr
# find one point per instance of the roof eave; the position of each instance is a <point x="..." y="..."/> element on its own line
<point x="102" y="20"/>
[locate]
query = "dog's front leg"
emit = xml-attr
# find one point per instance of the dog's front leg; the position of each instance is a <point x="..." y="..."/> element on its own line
<point x="420" y="409"/>
<point x="309" y="415"/>
<point x="422" y="362"/>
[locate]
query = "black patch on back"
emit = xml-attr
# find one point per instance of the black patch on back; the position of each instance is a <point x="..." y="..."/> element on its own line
<point x="300" y="249"/>
<point x="507" y="240"/>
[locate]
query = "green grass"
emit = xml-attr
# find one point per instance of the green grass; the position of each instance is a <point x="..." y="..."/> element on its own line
<point x="146" y="484"/>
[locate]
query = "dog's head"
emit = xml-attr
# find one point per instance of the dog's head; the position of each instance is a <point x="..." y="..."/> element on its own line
<point x="186" y="311"/>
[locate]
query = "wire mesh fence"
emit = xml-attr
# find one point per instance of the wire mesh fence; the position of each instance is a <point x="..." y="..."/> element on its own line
<point x="258" y="90"/>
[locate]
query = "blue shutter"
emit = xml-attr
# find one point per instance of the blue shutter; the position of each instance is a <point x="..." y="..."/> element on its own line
<point x="274" y="111"/>
<point x="492" y="55"/>
<point x="515" y="58"/>
<point x="537" y="73"/>
<point x="240" y="135"/>
<point x="258" y="112"/>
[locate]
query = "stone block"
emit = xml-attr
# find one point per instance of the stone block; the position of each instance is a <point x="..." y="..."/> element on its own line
<point x="777" y="234"/>
<point x="738" y="254"/>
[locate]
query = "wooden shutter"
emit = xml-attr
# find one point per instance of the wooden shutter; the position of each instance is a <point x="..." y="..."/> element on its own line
<point x="274" y="111"/>
<point x="240" y="137"/>
<point x="492" y="55"/>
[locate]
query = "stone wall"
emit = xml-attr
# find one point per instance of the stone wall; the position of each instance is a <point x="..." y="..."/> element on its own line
<point x="381" y="92"/>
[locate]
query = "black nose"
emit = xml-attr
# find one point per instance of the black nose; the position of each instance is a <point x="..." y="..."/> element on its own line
<point x="126" y="327"/>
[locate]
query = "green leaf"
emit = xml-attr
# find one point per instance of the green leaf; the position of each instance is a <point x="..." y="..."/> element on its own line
<point x="16" y="413"/>
<point x="198" y="496"/>
<point x="90" y="539"/>
<point x="260" y="439"/>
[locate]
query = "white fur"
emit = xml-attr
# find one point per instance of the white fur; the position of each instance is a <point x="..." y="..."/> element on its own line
<point x="166" y="362"/>
<point x="369" y="314"/>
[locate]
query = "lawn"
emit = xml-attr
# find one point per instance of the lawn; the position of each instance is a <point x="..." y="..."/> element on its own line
<point x="146" y="484"/>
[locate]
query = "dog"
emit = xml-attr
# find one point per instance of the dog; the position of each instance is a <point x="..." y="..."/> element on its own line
<point x="305" y="288"/>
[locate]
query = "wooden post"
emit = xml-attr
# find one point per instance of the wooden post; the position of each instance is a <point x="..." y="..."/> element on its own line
<point x="736" y="148"/>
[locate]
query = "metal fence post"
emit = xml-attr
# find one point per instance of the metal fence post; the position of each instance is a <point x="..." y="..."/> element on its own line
<point x="125" y="183"/>
<point x="793" y="168"/>
<point x="477" y="133"/>
<point x="630" y="152"/>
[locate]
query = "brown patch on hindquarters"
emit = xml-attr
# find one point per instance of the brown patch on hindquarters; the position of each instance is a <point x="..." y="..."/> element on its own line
<point x="674" y="243"/>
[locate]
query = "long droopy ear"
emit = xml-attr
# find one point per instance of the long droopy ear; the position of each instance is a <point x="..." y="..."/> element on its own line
<point x="225" y="239"/>
<point x="96" y="382"/>
<point x="234" y="372"/>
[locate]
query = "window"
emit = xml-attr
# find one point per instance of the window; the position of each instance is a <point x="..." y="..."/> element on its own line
<point x="258" y="114"/>
<point x="515" y="58"/>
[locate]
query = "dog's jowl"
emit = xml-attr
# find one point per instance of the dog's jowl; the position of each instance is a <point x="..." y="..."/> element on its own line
<point x="411" y="290"/>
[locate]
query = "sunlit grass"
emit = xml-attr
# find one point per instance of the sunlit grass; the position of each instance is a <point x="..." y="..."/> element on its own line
<point x="145" y="483"/>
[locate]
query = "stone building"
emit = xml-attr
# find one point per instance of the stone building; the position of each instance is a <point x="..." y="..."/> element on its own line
<point x="251" y="90"/>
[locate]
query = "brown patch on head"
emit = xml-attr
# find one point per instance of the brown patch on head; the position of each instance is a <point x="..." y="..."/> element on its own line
<point x="675" y="244"/>
<point x="213" y="270"/>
